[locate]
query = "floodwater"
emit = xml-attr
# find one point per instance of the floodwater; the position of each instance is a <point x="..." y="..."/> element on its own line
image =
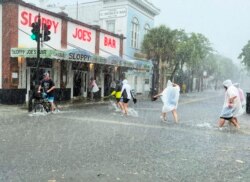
<point x="98" y="143"/>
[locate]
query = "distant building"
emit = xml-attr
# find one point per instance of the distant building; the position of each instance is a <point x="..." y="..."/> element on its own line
<point x="131" y="18"/>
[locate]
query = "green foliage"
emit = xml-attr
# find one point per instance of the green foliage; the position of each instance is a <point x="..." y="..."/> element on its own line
<point x="221" y="68"/>
<point x="179" y="52"/>
<point x="159" y="42"/>
<point x="200" y="49"/>
<point x="245" y="55"/>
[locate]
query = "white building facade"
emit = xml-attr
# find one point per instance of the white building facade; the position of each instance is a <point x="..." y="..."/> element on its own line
<point x="132" y="19"/>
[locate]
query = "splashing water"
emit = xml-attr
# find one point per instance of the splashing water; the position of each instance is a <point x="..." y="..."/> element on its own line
<point x="44" y="113"/>
<point x="114" y="106"/>
<point x="204" y="125"/>
<point x="131" y="111"/>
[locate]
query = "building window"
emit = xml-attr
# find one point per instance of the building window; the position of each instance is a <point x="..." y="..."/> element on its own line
<point x="111" y="26"/>
<point x="146" y="28"/>
<point x="135" y="33"/>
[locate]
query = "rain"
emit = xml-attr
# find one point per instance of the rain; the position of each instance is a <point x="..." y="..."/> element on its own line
<point x="156" y="117"/>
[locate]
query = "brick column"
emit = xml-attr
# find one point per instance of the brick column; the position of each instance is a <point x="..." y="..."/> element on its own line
<point x="64" y="34"/>
<point x="9" y="39"/>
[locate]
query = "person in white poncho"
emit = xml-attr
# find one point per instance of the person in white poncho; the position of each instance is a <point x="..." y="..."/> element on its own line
<point x="126" y="95"/>
<point x="241" y="94"/>
<point x="232" y="105"/>
<point x="170" y="98"/>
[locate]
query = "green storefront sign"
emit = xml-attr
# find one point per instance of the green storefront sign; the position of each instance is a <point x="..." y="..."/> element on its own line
<point x="32" y="52"/>
<point x="80" y="56"/>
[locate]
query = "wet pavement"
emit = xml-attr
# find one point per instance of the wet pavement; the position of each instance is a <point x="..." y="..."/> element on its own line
<point x="94" y="142"/>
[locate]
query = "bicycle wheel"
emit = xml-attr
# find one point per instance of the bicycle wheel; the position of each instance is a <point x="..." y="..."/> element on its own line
<point x="35" y="106"/>
<point x="47" y="106"/>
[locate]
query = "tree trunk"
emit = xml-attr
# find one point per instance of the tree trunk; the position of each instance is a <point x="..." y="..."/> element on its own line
<point x="192" y="79"/>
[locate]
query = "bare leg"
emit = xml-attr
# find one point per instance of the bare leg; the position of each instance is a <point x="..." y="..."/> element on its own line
<point x="221" y="122"/>
<point x="163" y="116"/>
<point x="235" y="122"/>
<point x="174" y="112"/>
<point x="124" y="108"/>
<point x="120" y="105"/>
<point x="125" y="105"/>
<point x="53" y="107"/>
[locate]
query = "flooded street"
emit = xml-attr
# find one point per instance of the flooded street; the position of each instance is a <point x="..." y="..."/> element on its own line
<point x="98" y="143"/>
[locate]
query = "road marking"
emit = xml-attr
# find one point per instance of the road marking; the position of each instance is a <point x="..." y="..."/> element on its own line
<point x="197" y="100"/>
<point x="111" y="122"/>
<point x="139" y="125"/>
<point x="239" y="161"/>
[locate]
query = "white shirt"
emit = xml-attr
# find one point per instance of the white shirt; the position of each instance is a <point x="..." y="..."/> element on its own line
<point x="126" y="87"/>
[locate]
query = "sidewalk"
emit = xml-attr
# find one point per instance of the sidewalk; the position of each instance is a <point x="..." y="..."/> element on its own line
<point x="60" y="104"/>
<point x="76" y="102"/>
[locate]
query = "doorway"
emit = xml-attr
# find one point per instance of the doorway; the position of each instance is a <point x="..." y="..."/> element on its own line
<point x="80" y="85"/>
<point x="107" y="82"/>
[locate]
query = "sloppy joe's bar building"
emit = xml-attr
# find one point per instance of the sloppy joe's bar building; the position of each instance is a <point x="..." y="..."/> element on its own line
<point x="75" y="52"/>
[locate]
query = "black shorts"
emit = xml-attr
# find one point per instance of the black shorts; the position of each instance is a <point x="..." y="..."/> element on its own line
<point x="125" y="100"/>
<point x="118" y="100"/>
<point x="226" y="118"/>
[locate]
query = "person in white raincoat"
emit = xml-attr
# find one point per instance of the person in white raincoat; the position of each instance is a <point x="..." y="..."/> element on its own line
<point x="232" y="105"/>
<point x="170" y="98"/>
<point x="126" y="95"/>
<point x="241" y="94"/>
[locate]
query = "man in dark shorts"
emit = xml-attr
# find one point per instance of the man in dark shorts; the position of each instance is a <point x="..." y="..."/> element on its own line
<point x="126" y="95"/>
<point x="48" y="87"/>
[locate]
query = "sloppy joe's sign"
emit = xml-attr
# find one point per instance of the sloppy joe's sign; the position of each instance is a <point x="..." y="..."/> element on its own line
<point x="27" y="17"/>
<point x="81" y="37"/>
